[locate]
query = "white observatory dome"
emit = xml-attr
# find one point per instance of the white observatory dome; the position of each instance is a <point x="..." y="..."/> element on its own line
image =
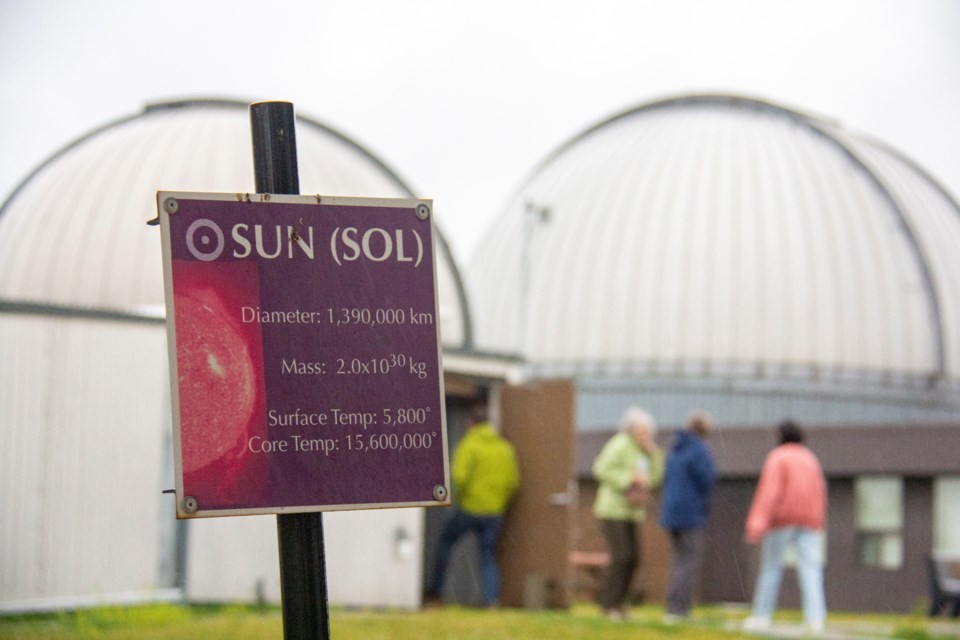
<point x="724" y="236"/>
<point x="85" y="406"/>
<point x="73" y="234"/>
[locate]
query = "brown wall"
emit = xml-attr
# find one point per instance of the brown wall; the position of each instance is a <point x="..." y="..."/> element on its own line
<point x="850" y="586"/>
<point x="844" y="451"/>
<point x="649" y="582"/>
<point x="730" y="564"/>
<point x="918" y="454"/>
<point x="537" y="537"/>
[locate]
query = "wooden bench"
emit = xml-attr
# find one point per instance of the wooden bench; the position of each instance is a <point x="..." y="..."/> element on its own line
<point x="590" y="559"/>
<point x="589" y="569"/>
<point x="944" y="584"/>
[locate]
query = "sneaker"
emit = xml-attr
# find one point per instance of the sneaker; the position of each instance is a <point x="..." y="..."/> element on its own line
<point x="672" y="618"/>
<point x="756" y="623"/>
<point x="616" y="615"/>
<point x="432" y="601"/>
<point x="815" y="628"/>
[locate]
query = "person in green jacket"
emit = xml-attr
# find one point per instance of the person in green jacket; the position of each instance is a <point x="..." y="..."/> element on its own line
<point x="627" y="468"/>
<point x="485" y="478"/>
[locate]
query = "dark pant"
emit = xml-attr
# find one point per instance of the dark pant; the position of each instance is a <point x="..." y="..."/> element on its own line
<point x="487" y="529"/>
<point x="622" y="537"/>
<point x="687" y="554"/>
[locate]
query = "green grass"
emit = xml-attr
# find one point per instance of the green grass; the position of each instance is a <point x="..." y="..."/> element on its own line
<point x="467" y="624"/>
<point x="172" y="622"/>
<point x="147" y="622"/>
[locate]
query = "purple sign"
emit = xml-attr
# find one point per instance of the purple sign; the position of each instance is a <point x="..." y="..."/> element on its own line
<point x="304" y="353"/>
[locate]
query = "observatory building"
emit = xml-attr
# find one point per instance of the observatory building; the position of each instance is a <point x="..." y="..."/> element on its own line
<point x="702" y="252"/>
<point x="729" y="254"/>
<point x="84" y="388"/>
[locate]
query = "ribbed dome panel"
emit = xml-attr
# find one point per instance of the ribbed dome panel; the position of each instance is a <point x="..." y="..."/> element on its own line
<point x="716" y="234"/>
<point x="74" y="234"/>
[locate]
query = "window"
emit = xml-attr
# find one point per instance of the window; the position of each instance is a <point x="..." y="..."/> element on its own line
<point x="946" y="515"/>
<point x="879" y="521"/>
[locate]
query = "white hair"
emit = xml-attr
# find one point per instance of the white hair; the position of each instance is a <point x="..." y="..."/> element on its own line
<point x="635" y="416"/>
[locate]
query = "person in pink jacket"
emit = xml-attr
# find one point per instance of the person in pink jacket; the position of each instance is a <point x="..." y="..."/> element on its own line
<point x="789" y="508"/>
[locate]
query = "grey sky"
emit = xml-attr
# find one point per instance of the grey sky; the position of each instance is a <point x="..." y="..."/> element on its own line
<point x="463" y="100"/>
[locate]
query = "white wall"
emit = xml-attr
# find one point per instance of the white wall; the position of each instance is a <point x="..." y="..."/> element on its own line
<point x="233" y="559"/>
<point x="368" y="563"/>
<point x="84" y="458"/>
<point x="81" y="471"/>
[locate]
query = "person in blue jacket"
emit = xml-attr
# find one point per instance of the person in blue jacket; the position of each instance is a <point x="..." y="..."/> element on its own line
<point x="684" y="506"/>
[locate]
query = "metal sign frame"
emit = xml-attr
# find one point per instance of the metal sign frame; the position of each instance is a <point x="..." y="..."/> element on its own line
<point x="304" y="353"/>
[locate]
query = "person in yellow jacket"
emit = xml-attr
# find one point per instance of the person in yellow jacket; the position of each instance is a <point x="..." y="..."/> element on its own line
<point x="628" y="467"/>
<point x="485" y="478"/>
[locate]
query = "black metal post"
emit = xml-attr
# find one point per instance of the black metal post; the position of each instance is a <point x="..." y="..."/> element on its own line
<point x="303" y="572"/>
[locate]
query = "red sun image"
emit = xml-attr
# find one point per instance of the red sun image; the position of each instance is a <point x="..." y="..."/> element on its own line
<point x="220" y="382"/>
<point x="217" y="391"/>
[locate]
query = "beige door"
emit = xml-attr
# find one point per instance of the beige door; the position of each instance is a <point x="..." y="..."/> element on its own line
<point x="537" y="538"/>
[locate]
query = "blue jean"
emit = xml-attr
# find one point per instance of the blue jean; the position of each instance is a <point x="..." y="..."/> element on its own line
<point x="806" y="542"/>
<point x="487" y="529"/>
<point x="687" y="547"/>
